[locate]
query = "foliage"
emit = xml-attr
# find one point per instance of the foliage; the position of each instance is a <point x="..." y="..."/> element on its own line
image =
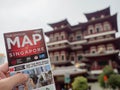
<point x="101" y="80"/>
<point x="106" y="71"/>
<point x="114" y="81"/>
<point x="80" y="83"/>
<point x="113" y="78"/>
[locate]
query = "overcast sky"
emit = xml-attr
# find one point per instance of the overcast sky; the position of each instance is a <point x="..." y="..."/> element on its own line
<point x="18" y="15"/>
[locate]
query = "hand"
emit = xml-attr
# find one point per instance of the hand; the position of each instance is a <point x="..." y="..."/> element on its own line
<point x="9" y="82"/>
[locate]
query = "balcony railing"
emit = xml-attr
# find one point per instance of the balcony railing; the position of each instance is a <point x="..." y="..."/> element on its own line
<point x="96" y="34"/>
<point x="97" y="67"/>
<point x="57" y="42"/>
<point x="77" y="47"/>
<point x="58" y="47"/>
<point x="101" y="40"/>
<point x="101" y="54"/>
<point x="78" y="42"/>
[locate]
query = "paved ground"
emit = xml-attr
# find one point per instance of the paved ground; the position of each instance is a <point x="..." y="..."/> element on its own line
<point x="95" y="86"/>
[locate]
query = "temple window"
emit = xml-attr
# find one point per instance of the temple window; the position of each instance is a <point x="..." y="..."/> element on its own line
<point x="107" y="26"/>
<point x="55" y="28"/>
<point x="62" y="57"/>
<point x="98" y="28"/>
<point x="56" y="58"/>
<point x="91" y="39"/>
<point x="90" y="29"/>
<point x="101" y="37"/>
<point x="72" y="58"/>
<point x="102" y="16"/>
<point x="110" y="47"/>
<point x="62" y="26"/>
<point x="62" y="37"/>
<point x="78" y="37"/>
<point x="108" y="36"/>
<point x="87" y="51"/>
<point x="93" y="49"/>
<point x="79" y="57"/>
<point x="51" y="38"/>
<point x="56" y="38"/>
<point x="101" y="48"/>
<point x="71" y="37"/>
<point x="93" y="18"/>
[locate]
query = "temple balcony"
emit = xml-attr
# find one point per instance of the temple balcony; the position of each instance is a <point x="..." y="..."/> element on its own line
<point x="58" y="47"/>
<point x="78" y="42"/>
<point x="99" y="34"/>
<point x="57" y="42"/>
<point x="71" y="70"/>
<point x="100" y="40"/>
<point x="76" y="47"/>
<point x="97" y="67"/>
<point x="101" y="54"/>
<point x="99" y="71"/>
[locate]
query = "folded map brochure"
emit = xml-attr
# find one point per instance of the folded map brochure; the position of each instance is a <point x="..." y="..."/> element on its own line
<point x="27" y="53"/>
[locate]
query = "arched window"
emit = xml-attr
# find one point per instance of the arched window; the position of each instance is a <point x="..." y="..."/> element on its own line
<point x="72" y="58"/>
<point x="107" y="26"/>
<point x="93" y="18"/>
<point x="98" y="28"/>
<point x="110" y="47"/>
<point x="51" y="38"/>
<point x="56" y="58"/>
<point x="93" y="49"/>
<point x="79" y="37"/>
<point x="101" y="48"/>
<point x="102" y="16"/>
<point x="90" y="29"/>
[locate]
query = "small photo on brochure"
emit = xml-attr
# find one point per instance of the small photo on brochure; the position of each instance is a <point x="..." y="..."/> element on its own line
<point x="38" y="77"/>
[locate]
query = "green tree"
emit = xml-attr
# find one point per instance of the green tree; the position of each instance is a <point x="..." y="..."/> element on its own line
<point x="80" y="83"/>
<point x="101" y="80"/>
<point x="107" y="71"/>
<point x="114" y="81"/>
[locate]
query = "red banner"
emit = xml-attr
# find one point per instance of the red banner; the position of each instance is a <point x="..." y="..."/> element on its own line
<point x="24" y="45"/>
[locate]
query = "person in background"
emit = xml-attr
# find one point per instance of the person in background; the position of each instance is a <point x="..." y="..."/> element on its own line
<point x="9" y="82"/>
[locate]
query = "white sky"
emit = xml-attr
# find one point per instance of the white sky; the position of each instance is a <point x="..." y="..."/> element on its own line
<point x="18" y="15"/>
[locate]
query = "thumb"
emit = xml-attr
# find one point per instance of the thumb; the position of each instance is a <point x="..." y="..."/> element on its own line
<point x="12" y="81"/>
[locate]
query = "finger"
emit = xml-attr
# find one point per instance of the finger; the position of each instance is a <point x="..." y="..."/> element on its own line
<point x="15" y="80"/>
<point x="8" y="74"/>
<point x="2" y="75"/>
<point x="4" y="67"/>
<point x="18" y="79"/>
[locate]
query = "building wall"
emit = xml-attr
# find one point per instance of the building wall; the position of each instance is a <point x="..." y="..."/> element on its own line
<point x="99" y="38"/>
<point x="99" y="27"/>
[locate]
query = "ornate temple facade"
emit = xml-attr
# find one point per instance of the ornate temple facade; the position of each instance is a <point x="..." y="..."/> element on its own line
<point x="93" y="43"/>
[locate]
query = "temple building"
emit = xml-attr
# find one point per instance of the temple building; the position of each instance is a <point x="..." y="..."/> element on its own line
<point x="92" y="44"/>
